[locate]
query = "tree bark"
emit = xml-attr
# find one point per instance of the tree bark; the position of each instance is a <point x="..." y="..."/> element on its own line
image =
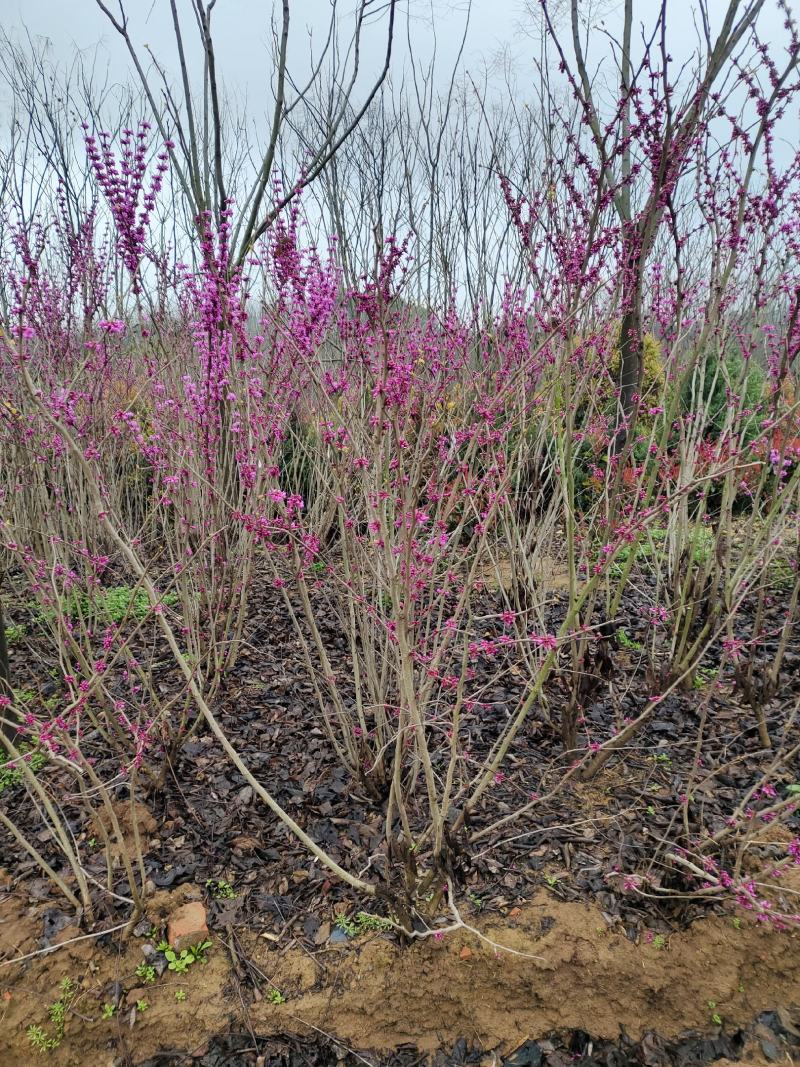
<point x="5" y="670"/>
<point x="631" y="363"/>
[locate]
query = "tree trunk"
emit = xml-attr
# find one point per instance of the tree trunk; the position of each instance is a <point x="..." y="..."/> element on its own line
<point x="630" y="343"/>
<point x="630" y="358"/>
<point x="5" y="671"/>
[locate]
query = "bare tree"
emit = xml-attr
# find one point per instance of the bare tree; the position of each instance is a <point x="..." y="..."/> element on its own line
<point x="198" y="129"/>
<point x="669" y="150"/>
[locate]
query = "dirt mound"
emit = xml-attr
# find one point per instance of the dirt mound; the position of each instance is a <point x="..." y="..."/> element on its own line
<point x="588" y="977"/>
<point x="547" y="967"/>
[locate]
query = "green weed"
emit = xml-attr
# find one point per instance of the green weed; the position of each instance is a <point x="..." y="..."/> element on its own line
<point x="781" y="574"/>
<point x="10" y="776"/>
<point x="220" y="889"/>
<point x="362" y="923"/>
<point x="41" y="1039"/>
<point x="15" y="633"/>
<point x="106" y="605"/>
<point x="181" y="962"/>
<point x="663" y="758"/>
<point x="627" y="642"/>
<point x="701" y="544"/>
<point x="705" y="676"/>
<point x="146" y="973"/>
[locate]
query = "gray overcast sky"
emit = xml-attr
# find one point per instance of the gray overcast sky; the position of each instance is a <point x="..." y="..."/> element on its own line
<point x="242" y="39"/>
<point x="242" y="30"/>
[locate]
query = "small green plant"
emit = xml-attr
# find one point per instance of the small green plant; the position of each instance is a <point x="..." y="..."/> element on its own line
<point x="362" y="923"/>
<point x="781" y="572"/>
<point x="705" y="676"/>
<point x="108" y="1011"/>
<point x="142" y="1006"/>
<point x="220" y="889"/>
<point x="794" y="789"/>
<point x="39" y="1038"/>
<point x="702" y="544"/>
<point x="10" y="776"/>
<point x="716" y="1018"/>
<point x="652" y="550"/>
<point x="659" y="941"/>
<point x="146" y="973"/>
<point x="663" y="758"/>
<point x="181" y="962"/>
<point x="107" y="605"/>
<point x="366" y="922"/>
<point x="627" y="642"/>
<point x="347" y="925"/>
<point x="650" y="809"/>
<point x="551" y="880"/>
<point x="199" y="950"/>
<point x="475" y="901"/>
<point x="643" y="550"/>
<point x="736" y="922"/>
<point x="276" y="997"/>
<point x="180" y="995"/>
<point x="15" y="633"/>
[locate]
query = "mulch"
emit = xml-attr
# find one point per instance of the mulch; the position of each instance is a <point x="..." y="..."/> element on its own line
<point x="579" y="843"/>
<point x="772" y="1035"/>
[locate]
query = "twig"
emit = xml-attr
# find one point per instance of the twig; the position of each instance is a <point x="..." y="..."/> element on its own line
<point x="71" y="941"/>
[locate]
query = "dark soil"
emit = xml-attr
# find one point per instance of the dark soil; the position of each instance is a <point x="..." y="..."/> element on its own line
<point x="772" y="1035"/>
<point x="574" y="848"/>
